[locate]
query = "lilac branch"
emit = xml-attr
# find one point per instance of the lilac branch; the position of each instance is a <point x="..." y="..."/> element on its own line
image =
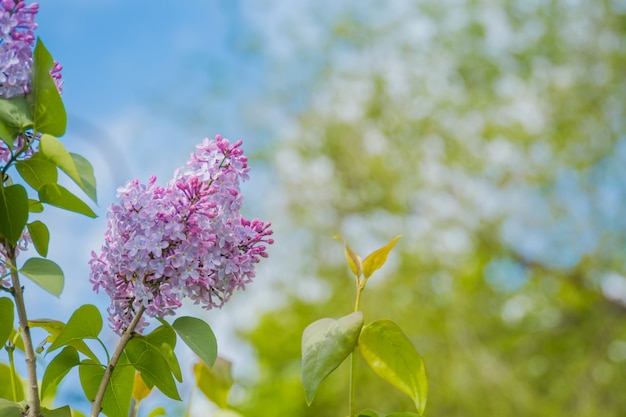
<point x="18" y="295"/>
<point x="126" y="336"/>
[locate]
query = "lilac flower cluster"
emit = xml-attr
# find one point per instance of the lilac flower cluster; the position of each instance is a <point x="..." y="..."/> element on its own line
<point x="186" y="239"/>
<point x="17" y="26"/>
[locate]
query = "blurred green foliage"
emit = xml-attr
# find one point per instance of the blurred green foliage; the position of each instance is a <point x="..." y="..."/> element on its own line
<point x="491" y="135"/>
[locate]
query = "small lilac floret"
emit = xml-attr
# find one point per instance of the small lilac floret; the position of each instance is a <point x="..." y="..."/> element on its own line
<point x="186" y="239"/>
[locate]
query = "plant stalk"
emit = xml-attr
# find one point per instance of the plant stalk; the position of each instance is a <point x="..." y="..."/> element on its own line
<point x="128" y="334"/>
<point x="18" y="295"/>
<point x="360" y="286"/>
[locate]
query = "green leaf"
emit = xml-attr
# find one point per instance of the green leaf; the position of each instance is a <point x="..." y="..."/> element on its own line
<point x="40" y="235"/>
<point x="215" y="382"/>
<point x="325" y="344"/>
<point x="154" y="368"/>
<point x="76" y="413"/>
<point x="116" y="401"/>
<point x="64" y="411"/>
<point x="75" y="166"/>
<point x="7" y="316"/>
<point x="15" y="118"/>
<point x="35" y="206"/>
<point x="354" y="261"/>
<point x="6" y="389"/>
<point x="37" y="171"/>
<point x="198" y="336"/>
<point x="13" y="211"/>
<point x="85" y="323"/>
<point x="87" y="178"/>
<point x="58" y="196"/>
<point x="374" y="413"/>
<point x="48" y="111"/>
<point x="54" y="327"/>
<point x="159" y="411"/>
<point x="226" y="413"/>
<point x="390" y="353"/>
<point x="57" y="369"/>
<point x="163" y="338"/>
<point x="376" y="259"/>
<point x="10" y="409"/>
<point x="44" y="273"/>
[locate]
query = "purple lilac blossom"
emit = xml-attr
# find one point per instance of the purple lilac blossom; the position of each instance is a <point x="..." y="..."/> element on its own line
<point x="186" y="239"/>
<point x="17" y="38"/>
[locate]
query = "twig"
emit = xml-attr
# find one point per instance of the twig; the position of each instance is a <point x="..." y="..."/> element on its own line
<point x="126" y="336"/>
<point x="18" y="295"/>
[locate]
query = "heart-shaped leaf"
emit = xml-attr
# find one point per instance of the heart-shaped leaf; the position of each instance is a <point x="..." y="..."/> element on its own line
<point x="325" y="345"/>
<point x="199" y="336"/>
<point x="44" y="273"/>
<point x="390" y="353"/>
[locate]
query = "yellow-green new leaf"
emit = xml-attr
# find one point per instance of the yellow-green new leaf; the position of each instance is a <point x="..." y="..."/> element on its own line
<point x="390" y="353"/>
<point x="354" y="260"/>
<point x="215" y="382"/>
<point x="376" y="259"/>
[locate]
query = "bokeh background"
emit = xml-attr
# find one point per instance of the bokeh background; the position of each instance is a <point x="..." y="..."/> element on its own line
<point x="490" y="134"/>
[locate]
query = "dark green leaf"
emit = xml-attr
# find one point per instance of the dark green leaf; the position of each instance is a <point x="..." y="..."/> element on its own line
<point x="7" y="315"/>
<point x="325" y="344"/>
<point x="10" y="409"/>
<point x="15" y="118"/>
<point x="163" y="338"/>
<point x="6" y="389"/>
<point x="116" y="401"/>
<point x="40" y="236"/>
<point x="154" y="368"/>
<point x="390" y="353"/>
<point x="57" y="369"/>
<point x="85" y="323"/>
<point x="37" y="171"/>
<point x="13" y="211"/>
<point x="48" y="111"/>
<point x="198" y="335"/>
<point x="44" y="273"/>
<point x="58" y="196"/>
